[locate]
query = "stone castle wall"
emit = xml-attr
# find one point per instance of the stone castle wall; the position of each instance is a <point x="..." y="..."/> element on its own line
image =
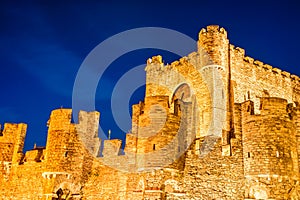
<point x="215" y="124"/>
<point x="270" y="149"/>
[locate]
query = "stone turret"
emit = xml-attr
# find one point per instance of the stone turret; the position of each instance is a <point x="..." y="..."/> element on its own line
<point x="60" y="133"/>
<point x="11" y="146"/>
<point x="157" y="133"/>
<point x="215" y="124"/>
<point x="65" y="152"/>
<point x="213" y="46"/>
<point x="88" y="131"/>
<point x="269" y="150"/>
<point x="213" y="49"/>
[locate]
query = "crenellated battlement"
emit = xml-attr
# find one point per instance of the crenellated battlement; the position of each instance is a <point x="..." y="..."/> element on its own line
<point x="10" y="132"/>
<point x="240" y="52"/>
<point x="269" y="106"/>
<point x="213" y="29"/>
<point x="37" y="154"/>
<point x="269" y="68"/>
<point x="12" y="142"/>
<point x="269" y="139"/>
<point x="207" y="41"/>
<point x="155" y="63"/>
<point x="155" y="60"/>
<point x="214" y="124"/>
<point x="273" y="105"/>
<point x="112" y="147"/>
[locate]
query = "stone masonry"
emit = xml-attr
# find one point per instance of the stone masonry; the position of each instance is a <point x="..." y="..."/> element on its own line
<point x="215" y="124"/>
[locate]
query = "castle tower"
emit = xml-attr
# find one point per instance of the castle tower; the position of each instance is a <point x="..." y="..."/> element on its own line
<point x="213" y="46"/>
<point x="157" y="142"/>
<point x="155" y="69"/>
<point x="63" y="145"/>
<point x="214" y="64"/>
<point x="60" y="132"/>
<point x="211" y="69"/>
<point x="11" y="146"/>
<point x="269" y="150"/>
<point x="87" y="129"/>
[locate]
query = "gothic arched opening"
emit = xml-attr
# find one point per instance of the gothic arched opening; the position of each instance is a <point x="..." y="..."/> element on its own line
<point x="181" y="94"/>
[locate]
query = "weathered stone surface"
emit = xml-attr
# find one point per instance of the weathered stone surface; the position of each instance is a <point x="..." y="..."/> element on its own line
<point x="215" y="124"/>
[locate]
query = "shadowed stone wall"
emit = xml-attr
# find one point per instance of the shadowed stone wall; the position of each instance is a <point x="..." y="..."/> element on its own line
<point x="215" y="124"/>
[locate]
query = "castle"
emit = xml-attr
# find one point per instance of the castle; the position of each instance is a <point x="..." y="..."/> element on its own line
<point x="215" y="124"/>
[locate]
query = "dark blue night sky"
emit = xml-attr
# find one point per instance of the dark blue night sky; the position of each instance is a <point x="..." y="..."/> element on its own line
<point x="42" y="46"/>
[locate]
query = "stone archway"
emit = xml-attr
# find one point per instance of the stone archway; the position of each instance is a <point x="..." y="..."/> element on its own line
<point x="181" y="94"/>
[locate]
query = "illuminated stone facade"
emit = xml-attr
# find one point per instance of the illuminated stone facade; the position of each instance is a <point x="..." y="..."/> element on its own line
<point x="214" y="125"/>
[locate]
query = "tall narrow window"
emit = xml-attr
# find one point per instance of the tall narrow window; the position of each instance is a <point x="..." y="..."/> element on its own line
<point x="153" y="146"/>
<point x="222" y="94"/>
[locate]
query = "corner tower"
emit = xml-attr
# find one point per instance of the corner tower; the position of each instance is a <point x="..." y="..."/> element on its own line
<point x="269" y="150"/>
<point x="213" y="46"/>
<point x="214" y="63"/>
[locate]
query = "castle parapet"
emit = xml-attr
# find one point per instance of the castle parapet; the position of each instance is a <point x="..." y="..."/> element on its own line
<point x="131" y="143"/>
<point x="273" y="106"/>
<point x="269" y="106"/>
<point x="213" y="46"/>
<point x="87" y="129"/>
<point x="155" y="63"/>
<point x="34" y="155"/>
<point x="60" y="119"/>
<point x="266" y="67"/>
<point x="155" y="60"/>
<point x="111" y="147"/>
<point x="269" y="140"/>
<point x="65" y="140"/>
<point x="12" y="142"/>
<point x="213" y="29"/>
